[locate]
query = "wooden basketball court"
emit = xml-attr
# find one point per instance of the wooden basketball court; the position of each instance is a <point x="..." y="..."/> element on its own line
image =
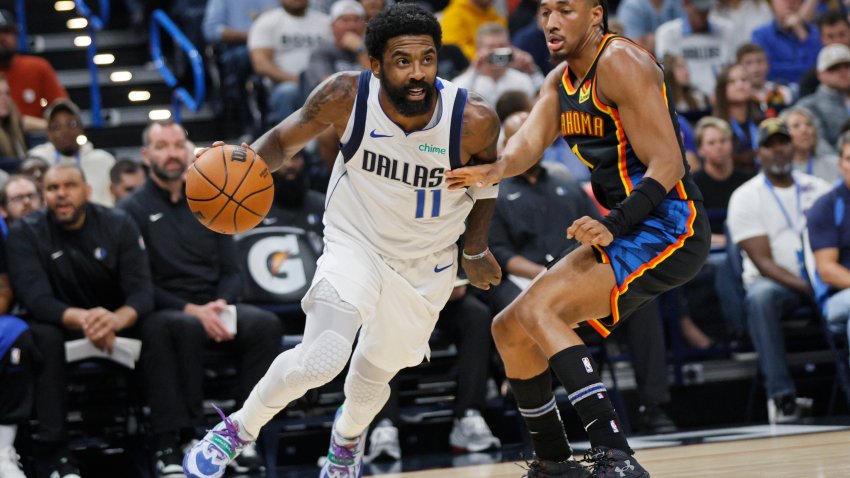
<point x="804" y="456"/>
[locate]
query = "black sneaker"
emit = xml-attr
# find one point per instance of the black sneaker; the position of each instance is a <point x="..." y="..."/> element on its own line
<point x="64" y="467"/>
<point x="169" y="464"/>
<point x="611" y="463"/>
<point x="652" y="420"/>
<point x="556" y="469"/>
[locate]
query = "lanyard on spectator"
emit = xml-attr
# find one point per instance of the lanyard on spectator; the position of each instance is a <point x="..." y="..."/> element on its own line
<point x="810" y="165"/>
<point x="739" y="132"/>
<point x="791" y="224"/>
<point x="59" y="157"/>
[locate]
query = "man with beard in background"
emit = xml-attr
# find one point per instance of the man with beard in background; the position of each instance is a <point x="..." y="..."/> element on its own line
<point x="81" y="271"/>
<point x="31" y="78"/>
<point x="197" y="286"/>
<point x="766" y="218"/>
<point x="391" y="228"/>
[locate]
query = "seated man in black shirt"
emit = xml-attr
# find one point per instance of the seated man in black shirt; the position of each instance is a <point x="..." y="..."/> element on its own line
<point x="196" y="280"/>
<point x="80" y="270"/>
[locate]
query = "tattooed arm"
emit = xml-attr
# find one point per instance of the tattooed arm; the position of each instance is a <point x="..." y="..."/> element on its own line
<point x="329" y="105"/>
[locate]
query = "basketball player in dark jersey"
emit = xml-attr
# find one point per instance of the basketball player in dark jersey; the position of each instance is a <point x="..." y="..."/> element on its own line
<point x="609" y="102"/>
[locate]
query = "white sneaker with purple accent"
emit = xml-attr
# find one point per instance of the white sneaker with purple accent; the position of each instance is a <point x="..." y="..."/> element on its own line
<point x="219" y="447"/>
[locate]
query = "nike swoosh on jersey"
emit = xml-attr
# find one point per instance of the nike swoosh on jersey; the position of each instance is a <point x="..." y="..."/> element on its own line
<point x="379" y="135"/>
<point x="439" y="269"/>
<point x="514" y="196"/>
<point x="155" y="217"/>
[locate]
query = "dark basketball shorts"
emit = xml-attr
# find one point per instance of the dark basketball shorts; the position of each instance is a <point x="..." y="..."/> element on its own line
<point x="663" y="252"/>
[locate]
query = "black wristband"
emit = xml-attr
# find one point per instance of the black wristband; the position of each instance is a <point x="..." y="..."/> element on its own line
<point x="645" y="197"/>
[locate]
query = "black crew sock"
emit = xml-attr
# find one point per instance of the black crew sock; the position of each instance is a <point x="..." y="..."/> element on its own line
<point x="536" y="404"/>
<point x="577" y="370"/>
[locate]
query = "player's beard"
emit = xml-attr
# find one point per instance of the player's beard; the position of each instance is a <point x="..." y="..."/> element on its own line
<point x="558" y="56"/>
<point x="398" y="97"/>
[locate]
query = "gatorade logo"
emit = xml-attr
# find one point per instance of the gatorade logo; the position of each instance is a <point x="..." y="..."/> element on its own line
<point x="428" y="148"/>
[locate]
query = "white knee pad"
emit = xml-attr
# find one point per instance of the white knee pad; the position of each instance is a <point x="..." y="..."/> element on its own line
<point x="365" y="395"/>
<point x="319" y="362"/>
<point x="325" y="293"/>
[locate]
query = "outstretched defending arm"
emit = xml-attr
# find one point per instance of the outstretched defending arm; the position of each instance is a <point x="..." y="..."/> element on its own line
<point x="329" y="105"/>
<point x="480" y="134"/>
<point x="525" y="147"/>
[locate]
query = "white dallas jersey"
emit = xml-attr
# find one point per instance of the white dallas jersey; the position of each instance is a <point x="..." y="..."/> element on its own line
<point x="387" y="190"/>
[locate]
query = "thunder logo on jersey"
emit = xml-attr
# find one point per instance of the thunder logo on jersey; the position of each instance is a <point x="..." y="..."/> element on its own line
<point x="417" y="175"/>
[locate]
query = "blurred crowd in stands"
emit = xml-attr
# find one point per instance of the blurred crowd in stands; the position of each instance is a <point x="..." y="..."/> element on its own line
<point x="99" y="248"/>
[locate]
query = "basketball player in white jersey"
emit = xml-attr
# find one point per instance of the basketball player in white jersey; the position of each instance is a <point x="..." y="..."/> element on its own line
<point x="391" y="226"/>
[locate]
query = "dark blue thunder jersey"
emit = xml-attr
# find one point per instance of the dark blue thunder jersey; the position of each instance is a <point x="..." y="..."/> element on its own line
<point x="596" y="135"/>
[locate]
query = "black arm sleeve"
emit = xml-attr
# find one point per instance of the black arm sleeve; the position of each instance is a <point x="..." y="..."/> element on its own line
<point x="645" y="197"/>
<point x="134" y="269"/>
<point x="29" y="277"/>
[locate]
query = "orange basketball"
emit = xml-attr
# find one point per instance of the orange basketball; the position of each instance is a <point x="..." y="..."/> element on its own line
<point x="229" y="189"/>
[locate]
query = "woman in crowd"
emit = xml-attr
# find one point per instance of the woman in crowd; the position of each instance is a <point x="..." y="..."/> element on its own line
<point x="811" y="155"/>
<point x="734" y="102"/>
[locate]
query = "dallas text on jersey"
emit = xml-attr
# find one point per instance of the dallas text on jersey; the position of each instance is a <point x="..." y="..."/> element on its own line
<point x="422" y="177"/>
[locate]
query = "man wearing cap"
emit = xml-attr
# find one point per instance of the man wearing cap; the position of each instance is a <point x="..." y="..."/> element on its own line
<point x="766" y="218"/>
<point x="829" y="102"/>
<point x="31" y="78"/>
<point x="790" y="42"/>
<point x="348" y="24"/>
<point x="64" y="130"/>
<point x="280" y="43"/>
<point x="704" y="45"/>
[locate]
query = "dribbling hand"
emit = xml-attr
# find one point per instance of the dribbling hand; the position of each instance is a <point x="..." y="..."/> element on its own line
<point x="589" y="232"/>
<point x="478" y="176"/>
<point x="484" y="272"/>
<point x="200" y="151"/>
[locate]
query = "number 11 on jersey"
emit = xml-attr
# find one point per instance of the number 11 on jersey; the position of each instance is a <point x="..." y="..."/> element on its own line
<point x="421" y="196"/>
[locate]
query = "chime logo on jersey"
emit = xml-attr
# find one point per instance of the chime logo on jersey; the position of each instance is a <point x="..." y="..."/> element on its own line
<point x="415" y="175"/>
<point x="587" y="366"/>
<point x="584" y="93"/>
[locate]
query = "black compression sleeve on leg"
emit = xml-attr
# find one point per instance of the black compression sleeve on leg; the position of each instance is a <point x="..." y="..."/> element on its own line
<point x="645" y="197"/>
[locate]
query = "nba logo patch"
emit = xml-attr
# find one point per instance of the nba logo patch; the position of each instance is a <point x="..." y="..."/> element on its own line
<point x="614" y="427"/>
<point x="15" y="356"/>
<point x="584" y="92"/>
<point x="587" y="366"/>
<point x="99" y="253"/>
